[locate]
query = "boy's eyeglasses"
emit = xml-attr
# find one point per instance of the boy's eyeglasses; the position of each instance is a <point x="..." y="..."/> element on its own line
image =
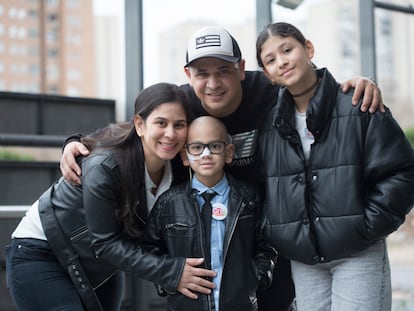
<point x="196" y="149"/>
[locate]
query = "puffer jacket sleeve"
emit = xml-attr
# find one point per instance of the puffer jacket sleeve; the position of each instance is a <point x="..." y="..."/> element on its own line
<point x="265" y="259"/>
<point x="265" y="255"/>
<point x="101" y="193"/>
<point x="389" y="173"/>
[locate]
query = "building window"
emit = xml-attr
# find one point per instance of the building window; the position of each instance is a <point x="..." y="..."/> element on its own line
<point x="32" y="14"/>
<point x="33" y="51"/>
<point x="74" y="39"/>
<point x="34" y="69"/>
<point x="51" y="36"/>
<point x="21" y="14"/>
<point x="54" y="89"/>
<point x="73" y="91"/>
<point x="12" y="12"/>
<point x="73" y="4"/>
<point x="12" y="32"/>
<point x="22" y="33"/>
<point x="33" y="33"/>
<point x="74" y="21"/>
<point x="52" y="18"/>
<point x="52" y="72"/>
<point x="52" y="3"/>
<point x="74" y="75"/>
<point x="53" y="52"/>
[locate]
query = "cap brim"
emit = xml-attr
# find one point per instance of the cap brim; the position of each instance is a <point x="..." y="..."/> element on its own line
<point x="227" y="58"/>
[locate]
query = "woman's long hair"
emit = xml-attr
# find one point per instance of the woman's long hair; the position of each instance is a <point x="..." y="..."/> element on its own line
<point x="122" y="139"/>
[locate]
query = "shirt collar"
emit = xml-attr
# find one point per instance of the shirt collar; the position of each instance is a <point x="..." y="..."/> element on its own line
<point x="165" y="181"/>
<point x="219" y="188"/>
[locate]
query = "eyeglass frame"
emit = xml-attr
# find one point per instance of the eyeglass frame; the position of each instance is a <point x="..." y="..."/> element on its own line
<point x="223" y="143"/>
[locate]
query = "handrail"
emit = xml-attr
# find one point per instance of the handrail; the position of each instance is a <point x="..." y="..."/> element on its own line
<point x="29" y="140"/>
<point x="13" y="211"/>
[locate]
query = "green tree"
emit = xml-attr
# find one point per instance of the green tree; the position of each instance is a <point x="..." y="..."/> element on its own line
<point x="410" y="135"/>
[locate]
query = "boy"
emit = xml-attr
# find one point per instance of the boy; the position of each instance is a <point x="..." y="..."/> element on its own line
<point x="231" y="244"/>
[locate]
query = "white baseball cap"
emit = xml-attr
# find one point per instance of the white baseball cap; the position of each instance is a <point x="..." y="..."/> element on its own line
<point x="212" y="42"/>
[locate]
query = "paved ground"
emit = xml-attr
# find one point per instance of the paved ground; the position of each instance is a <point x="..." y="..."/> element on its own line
<point x="401" y="252"/>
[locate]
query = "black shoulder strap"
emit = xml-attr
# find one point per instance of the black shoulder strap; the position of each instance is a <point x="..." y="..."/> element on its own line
<point x="66" y="254"/>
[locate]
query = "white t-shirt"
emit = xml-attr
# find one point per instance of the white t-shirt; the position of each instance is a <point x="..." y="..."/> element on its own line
<point x="306" y="137"/>
<point x="30" y="225"/>
<point x="164" y="185"/>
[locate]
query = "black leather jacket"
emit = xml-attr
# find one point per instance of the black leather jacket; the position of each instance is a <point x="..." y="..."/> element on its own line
<point x="174" y="228"/>
<point x="96" y="240"/>
<point x="356" y="187"/>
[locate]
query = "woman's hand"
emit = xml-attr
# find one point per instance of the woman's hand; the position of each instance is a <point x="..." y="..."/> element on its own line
<point x="193" y="279"/>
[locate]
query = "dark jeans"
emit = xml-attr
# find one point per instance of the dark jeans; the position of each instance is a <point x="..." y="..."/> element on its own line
<point x="37" y="281"/>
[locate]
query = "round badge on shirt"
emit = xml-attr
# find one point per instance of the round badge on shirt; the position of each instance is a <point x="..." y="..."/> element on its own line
<point x="219" y="211"/>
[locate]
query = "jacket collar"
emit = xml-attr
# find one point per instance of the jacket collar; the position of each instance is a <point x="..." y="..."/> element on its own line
<point x="318" y="113"/>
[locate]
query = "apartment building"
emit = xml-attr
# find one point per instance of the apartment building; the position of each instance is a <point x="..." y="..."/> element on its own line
<point x="47" y="46"/>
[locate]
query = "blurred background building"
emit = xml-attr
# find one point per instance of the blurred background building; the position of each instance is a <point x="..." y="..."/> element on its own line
<point x="47" y="47"/>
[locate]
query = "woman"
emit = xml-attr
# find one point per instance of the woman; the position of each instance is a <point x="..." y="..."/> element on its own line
<point x="67" y="251"/>
<point x="343" y="180"/>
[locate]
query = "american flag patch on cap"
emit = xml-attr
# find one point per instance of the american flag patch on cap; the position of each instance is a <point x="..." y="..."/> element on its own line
<point x="208" y="40"/>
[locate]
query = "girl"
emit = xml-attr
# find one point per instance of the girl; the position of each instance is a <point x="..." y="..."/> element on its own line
<point x="338" y="180"/>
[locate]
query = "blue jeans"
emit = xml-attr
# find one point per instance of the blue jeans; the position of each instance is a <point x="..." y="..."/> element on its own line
<point x="359" y="282"/>
<point x="37" y="281"/>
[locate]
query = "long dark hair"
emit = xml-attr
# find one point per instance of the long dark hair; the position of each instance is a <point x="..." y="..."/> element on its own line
<point x="277" y="29"/>
<point x="122" y="139"/>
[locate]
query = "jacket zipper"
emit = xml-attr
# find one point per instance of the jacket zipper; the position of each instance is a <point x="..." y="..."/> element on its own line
<point x="308" y="200"/>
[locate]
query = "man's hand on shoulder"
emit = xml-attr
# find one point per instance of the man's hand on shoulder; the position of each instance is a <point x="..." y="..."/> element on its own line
<point x="372" y="99"/>
<point x="68" y="165"/>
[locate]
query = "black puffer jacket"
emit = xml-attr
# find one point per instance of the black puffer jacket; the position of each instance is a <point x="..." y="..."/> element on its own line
<point x="356" y="188"/>
<point x="91" y="235"/>
<point x="174" y="227"/>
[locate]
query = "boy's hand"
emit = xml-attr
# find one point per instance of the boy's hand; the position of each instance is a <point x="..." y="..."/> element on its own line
<point x="68" y="165"/>
<point x="372" y="94"/>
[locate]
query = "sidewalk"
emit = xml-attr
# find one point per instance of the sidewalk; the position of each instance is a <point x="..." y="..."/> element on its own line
<point x="401" y="253"/>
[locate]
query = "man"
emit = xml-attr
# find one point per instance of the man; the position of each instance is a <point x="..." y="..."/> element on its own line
<point x="220" y="86"/>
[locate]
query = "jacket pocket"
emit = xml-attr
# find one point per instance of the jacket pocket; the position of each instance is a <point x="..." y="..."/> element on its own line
<point x="79" y="234"/>
<point x="181" y="235"/>
<point x="179" y="227"/>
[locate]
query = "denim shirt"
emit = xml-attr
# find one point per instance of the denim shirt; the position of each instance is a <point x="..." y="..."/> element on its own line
<point x="222" y="188"/>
